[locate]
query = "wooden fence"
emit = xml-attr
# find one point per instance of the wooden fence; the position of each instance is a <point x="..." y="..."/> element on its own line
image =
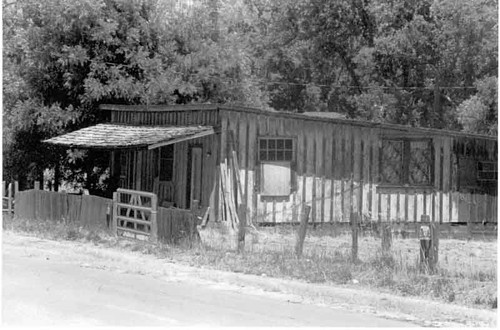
<point x="85" y="210"/>
<point x="92" y="212"/>
<point x="174" y="224"/>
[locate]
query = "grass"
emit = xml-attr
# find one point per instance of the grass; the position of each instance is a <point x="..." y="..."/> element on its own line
<point x="467" y="273"/>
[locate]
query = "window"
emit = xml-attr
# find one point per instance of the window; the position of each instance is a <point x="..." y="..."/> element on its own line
<point x="406" y="162"/>
<point x="487" y="171"/>
<point x="276" y="156"/>
<point x="166" y="164"/>
<point x="275" y="149"/>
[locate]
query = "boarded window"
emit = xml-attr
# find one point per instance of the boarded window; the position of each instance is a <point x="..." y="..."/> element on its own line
<point x="276" y="179"/>
<point x="406" y="162"/>
<point x="276" y="156"/>
<point x="166" y="166"/>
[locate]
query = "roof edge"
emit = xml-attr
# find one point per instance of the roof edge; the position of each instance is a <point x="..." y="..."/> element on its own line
<point x="293" y="115"/>
<point x="153" y="108"/>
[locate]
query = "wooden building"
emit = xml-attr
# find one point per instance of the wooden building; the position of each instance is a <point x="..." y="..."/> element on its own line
<point x="337" y="166"/>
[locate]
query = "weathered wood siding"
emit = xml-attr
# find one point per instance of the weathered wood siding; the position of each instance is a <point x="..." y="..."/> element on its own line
<point x="336" y="168"/>
<point x="336" y="172"/>
<point x="173" y="117"/>
<point x="146" y="173"/>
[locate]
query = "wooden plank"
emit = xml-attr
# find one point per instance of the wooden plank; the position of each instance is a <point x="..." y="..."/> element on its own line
<point x="463" y="207"/>
<point x="438" y="143"/>
<point x="349" y="153"/>
<point x="372" y="194"/>
<point x="473" y="208"/>
<point x="310" y="150"/>
<point x="480" y="207"/>
<point x="328" y="193"/>
<point x="411" y="206"/>
<point x="223" y="135"/>
<point x="419" y="205"/>
<point x="242" y="154"/>
<point x="489" y="208"/>
<point x="319" y="172"/>
<point x="455" y="200"/>
<point x="365" y="174"/>
<point x="345" y="199"/>
<point x="384" y="202"/>
<point x="338" y="155"/>
<point x="445" y="204"/>
<point x="402" y="207"/>
<point x="376" y="155"/>
<point x="393" y="207"/>
<point x="353" y="139"/>
<point x="336" y="202"/>
<point x="428" y="204"/>
<point x="251" y="157"/>
<point x="357" y="164"/>
<point x="446" y="166"/>
<point x="366" y="155"/>
<point x="495" y="208"/>
<point x="355" y="199"/>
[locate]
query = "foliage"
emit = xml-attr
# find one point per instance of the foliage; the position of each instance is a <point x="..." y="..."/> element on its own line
<point x="63" y="57"/>
<point x="422" y="63"/>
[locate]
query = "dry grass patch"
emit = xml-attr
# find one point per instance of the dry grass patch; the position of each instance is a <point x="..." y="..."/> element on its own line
<point x="467" y="272"/>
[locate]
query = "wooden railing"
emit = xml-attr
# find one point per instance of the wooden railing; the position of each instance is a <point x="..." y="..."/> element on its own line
<point x="135" y="214"/>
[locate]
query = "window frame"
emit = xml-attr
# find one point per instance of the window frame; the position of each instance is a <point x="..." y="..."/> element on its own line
<point x="291" y="163"/>
<point x="406" y="156"/>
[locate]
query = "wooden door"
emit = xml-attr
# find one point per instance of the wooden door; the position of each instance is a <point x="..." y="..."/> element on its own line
<point x="195" y="177"/>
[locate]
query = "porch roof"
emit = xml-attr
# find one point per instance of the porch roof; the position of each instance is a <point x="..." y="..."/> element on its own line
<point x="112" y="136"/>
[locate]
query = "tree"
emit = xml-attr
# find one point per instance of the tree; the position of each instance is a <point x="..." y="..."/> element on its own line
<point x="69" y="56"/>
<point x="479" y="113"/>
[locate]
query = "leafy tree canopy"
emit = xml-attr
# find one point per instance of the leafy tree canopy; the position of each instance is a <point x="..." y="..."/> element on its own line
<point x="430" y="63"/>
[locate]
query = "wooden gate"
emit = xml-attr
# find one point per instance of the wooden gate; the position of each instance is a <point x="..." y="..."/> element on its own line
<point x="135" y="214"/>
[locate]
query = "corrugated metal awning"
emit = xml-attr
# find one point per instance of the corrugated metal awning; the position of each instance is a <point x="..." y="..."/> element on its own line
<point x="112" y="136"/>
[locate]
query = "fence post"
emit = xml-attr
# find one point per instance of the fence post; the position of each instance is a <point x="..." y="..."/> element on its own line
<point x="154" y="214"/>
<point x="114" y="213"/>
<point x="193" y="220"/>
<point x="37" y="185"/>
<point x="304" y="217"/>
<point x="434" y="246"/>
<point x="386" y="238"/>
<point x="354" y="229"/>
<point x="9" y="200"/>
<point x="242" y="210"/>
<point x="429" y="244"/>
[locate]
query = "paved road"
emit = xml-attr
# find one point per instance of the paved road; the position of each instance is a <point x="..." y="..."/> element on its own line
<point x="41" y="291"/>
